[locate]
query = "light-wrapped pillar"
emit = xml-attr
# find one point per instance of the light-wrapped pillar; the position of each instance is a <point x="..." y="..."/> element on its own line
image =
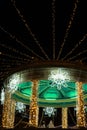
<point x="8" y="111"/>
<point x="64" y="117"/>
<point x="33" y="112"/>
<point x="80" y="106"/>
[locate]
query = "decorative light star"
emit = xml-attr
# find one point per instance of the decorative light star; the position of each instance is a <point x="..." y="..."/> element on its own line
<point x="20" y="107"/>
<point x="2" y="98"/>
<point x="59" y="78"/>
<point x="13" y="83"/>
<point x="49" y="111"/>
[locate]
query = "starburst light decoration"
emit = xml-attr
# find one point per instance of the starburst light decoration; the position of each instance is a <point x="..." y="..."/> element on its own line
<point x="59" y="78"/>
<point x="49" y="111"/>
<point x="20" y="107"/>
<point x="2" y="96"/>
<point x="13" y="83"/>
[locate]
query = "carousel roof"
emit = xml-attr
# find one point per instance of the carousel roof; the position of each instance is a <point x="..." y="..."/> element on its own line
<point x="56" y="86"/>
<point x="38" y="36"/>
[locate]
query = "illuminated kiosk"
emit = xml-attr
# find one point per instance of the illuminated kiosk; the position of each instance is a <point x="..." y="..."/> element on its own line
<point x="46" y="84"/>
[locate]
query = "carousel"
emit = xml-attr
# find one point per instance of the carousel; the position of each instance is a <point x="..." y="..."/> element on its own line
<point x="49" y="85"/>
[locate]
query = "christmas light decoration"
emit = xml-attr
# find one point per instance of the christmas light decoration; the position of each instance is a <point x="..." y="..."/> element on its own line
<point x="64" y="117"/>
<point x="80" y="106"/>
<point x="2" y="98"/>
<point x="13" y="83"/>
<point x="49" y="111"/>
<point x="20" y="107"/>
<point x="59" y="78"/>
<point x="68" y="28"/>
<point x="8" y="111"/>
<point x="33" y="114"/>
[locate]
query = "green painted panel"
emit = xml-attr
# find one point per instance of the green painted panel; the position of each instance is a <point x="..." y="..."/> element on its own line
<point x="49" y="96"/>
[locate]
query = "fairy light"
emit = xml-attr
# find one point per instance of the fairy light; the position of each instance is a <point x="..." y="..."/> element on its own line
<point x="8" y="115"/>
<point x="64" y="117"/>
<point x="68" y="28"/>
<point x="59" y="78"/>
<point x="20" y="107"/>
<point x="15" y="61"/>
<point x="21" y="43"/>
<point x="53" y="26"/>
<point x="33" y="114"/>
<point x="80" y="53"/>
<point x="2" y="96"/>
<point x="29" y="29"/>
<point x="77" y="45"/>
<point x="13" y="57"/>
<point x="14" y="50"/>
<point x="80" y="106"/>
<point x="50" y="111"/>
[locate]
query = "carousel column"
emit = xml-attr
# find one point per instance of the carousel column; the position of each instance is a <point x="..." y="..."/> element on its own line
<point x="8" y="111"/>
<point x="33" y="114"/>
<point x="80" y="106"/>
<point x="64" y="117"/>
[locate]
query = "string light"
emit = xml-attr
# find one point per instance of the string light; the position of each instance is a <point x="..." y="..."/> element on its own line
<point x="82" y="52"/>
<point x="33" y="114"/>
<point x="8" y="55"/>
<point x="8" y="111"/>
<point x="2" y="96"/>
<point x="14" y="50"/>
<point x="29" y="29"/>
<point x="59" y="78"/>
<point x="68" y="28"/>
<point x="64" y="117"/>
<point x="77" y="45"/>
<point x="80" y="106"/>
<point x="53" y="26"/>
<point x="21" y="43"/>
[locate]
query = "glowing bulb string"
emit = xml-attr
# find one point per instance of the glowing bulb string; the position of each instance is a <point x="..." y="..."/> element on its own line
<point x="68" y="28"/>
<point x="21" y="43"/>
<point x="29" y="29"/>
<point x="14" y="50"/>
<point x="12" y="61"/>
<point x="77" y="45"/>
<point x="53" y="26"/>
<point x="80" y="53"/>
<point x="14" y="57"/>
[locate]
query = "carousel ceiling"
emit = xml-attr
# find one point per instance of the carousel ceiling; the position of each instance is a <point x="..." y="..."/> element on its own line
<point x="44" y="33"/>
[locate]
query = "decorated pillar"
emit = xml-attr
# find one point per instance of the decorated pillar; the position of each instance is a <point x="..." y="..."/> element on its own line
<point x="80" y="106"/>
<point x="8" y="115"/>
<point x="64" y="117"/>
<point x="33" y="112"/>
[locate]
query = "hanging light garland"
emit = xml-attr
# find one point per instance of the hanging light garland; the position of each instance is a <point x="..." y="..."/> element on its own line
<point x="59" y="79"/>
